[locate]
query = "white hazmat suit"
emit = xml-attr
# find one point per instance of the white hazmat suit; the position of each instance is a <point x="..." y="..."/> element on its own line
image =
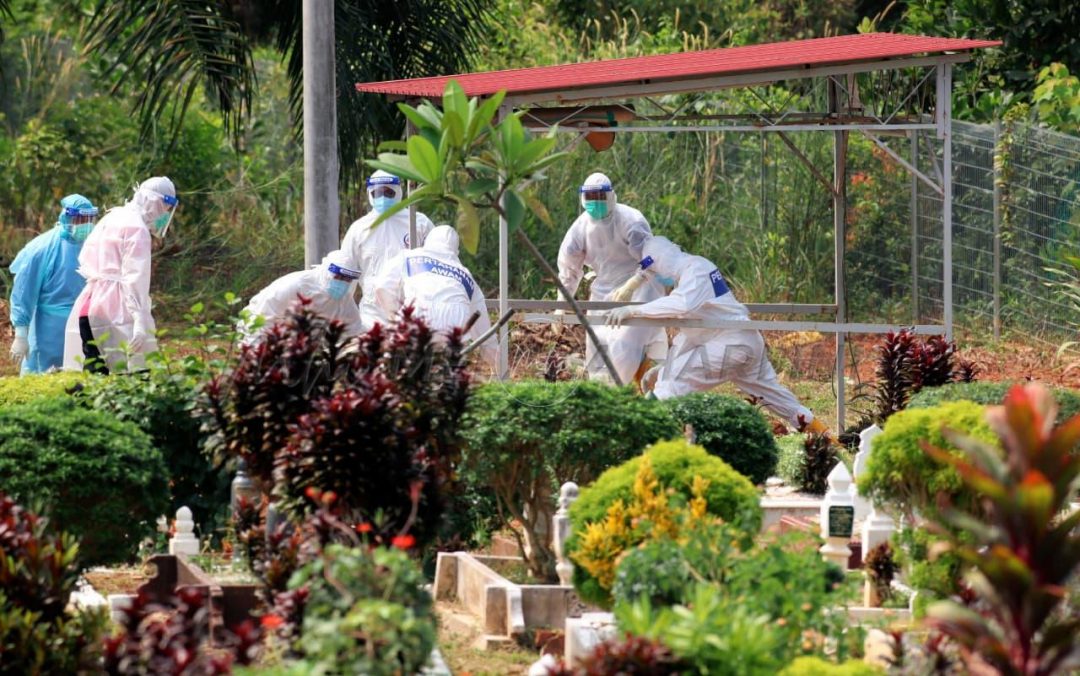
<point x="330" y="287"/>
<point x="701" y="359"/>
<point x="441" y="290"/>
<point x="371" y="246"/>
<point x="115" y="261"/>
<point x="611" y="246"/>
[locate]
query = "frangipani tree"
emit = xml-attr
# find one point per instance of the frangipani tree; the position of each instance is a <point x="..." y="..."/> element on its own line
<point x="461" y="155"/>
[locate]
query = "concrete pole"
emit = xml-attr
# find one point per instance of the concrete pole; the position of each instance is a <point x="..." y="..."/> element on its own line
<point x="321" y="208"/>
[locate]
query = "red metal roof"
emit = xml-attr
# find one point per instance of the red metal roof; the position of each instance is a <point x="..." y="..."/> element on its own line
<point x="684" y="65"/>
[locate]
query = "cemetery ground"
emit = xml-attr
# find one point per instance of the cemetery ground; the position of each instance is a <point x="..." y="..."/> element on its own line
<point x="671" y="530"/>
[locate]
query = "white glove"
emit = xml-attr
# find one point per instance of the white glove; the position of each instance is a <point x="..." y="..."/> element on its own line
<point x="20" y="347"/>
<point x="138" y="341"/>
<point x="617" y="316"/>
<point x="625" y="293"/>
<point x="139" y="336"/>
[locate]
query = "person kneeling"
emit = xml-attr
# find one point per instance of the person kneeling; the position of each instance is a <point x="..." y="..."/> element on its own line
<point x="701" y="359"/>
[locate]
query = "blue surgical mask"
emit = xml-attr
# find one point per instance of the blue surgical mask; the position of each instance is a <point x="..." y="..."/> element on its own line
<point x="381" y="204"/>
<point x="337" y="288"/>
<point x="79" y="233"/>
<point x="596" y="208"/>
<point x="666" y="281"/>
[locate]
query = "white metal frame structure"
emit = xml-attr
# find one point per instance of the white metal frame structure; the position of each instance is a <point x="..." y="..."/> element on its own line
<point x="878" y="98"/>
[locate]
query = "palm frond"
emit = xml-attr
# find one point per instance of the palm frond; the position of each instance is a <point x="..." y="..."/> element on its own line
<point x="379" y="40"/>
<point x="166" y="50"/>
<point x="5" y="13"/>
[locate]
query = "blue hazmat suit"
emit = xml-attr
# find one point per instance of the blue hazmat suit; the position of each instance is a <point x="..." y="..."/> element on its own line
<point x="45" y="288"/>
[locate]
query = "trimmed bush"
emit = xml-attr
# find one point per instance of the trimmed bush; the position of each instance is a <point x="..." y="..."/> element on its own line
<point x="991" y="394"/>
<point x="524" y="439"/>
<point x="101" y="479"/>
<point x="161" y="403"/>
<point x="816" y="666"/>
<point x="899" y="471"/>
<point x="675" y="464"/>
<point x="15" y="390"/>
<point x="731" y="429"/>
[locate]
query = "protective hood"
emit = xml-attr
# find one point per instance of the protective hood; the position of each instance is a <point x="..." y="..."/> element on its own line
<point x="443" y="240"/>
<point x="662" y="257"/>
<point x="598" y="181"/>
<point x="153" y="198"/>
<point x="338" y="262"/>
<point x="383" y="179"/>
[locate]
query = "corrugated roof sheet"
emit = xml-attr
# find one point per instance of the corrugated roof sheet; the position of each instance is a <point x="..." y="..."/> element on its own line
<point x="684" y="65"/>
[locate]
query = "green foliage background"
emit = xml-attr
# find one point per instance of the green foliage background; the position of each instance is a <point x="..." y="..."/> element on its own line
<point x="741" y="200"/>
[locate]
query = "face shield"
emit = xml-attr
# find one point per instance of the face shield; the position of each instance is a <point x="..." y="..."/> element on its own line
<point x="340" y="280"/>
<point x="77" y="222"/>
<point x="161" y="224"/>
<point x="384" y="191"/>
<point x="596" y="198"/>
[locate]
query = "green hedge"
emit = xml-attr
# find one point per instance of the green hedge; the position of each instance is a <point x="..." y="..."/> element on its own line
<point x="522" y="440"/>
<point x="900" y="473"/>
<point x="99" y="478"/>
<point x="816" y="666"/>
<point x="15" y="390"/>
<point x="731" y="429"/>
<point x="729" y="495"/>
<point x="161" y="402"/>
<point x="989" y="394"/>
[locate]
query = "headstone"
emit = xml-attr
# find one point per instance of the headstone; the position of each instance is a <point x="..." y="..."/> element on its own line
<point x="862" y="505"/>
<point x="184" y="541"/>
<point x="561" y="525"/>
<point x="838" y="517"/>
<point x="584" y="633"/>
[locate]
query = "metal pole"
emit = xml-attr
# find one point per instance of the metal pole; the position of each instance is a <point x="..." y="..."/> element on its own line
<point x="945" y="102"/>
<point x="322" y="211"/>
<point x="410" y="186"/>
<point x="504" y="281"/>
<point x="915" y="229"/>
<point x="839" y="215"/>
<point x="997" y="237"/>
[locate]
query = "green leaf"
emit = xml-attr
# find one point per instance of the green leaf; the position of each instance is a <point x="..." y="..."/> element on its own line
<point x="532" y="151"/>
<point x="455" y="101"/>
<point x="537" y="206"/>
<point x="392" y="146"/>
<point x="454" y="127"/>
<point x="515" y="210"/>
<point x="398" y="165"/>
<point x="197" y="308"/>
<point x="425" y="159"/>
<point x="480" y="186"/>
<point x="485" y="113"/>
<point x="424" y="117"/>
<point x="468" y="224"/>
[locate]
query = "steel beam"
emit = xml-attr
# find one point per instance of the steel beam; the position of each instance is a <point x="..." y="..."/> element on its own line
<point x="904" y="163"/>
<point x="838" y="328"/>
<point x="504" y="278"/>
<point x="521" y="304"/>
<point x="868" y="126"/>
<point x="644" y="87"/>
<point x="945" y="104"/>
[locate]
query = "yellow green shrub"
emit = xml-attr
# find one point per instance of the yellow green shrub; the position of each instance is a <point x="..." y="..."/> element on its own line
<point x="20" y="390"/>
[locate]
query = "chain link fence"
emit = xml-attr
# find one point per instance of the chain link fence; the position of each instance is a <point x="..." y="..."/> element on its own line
<point x="1016" y="220"/>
